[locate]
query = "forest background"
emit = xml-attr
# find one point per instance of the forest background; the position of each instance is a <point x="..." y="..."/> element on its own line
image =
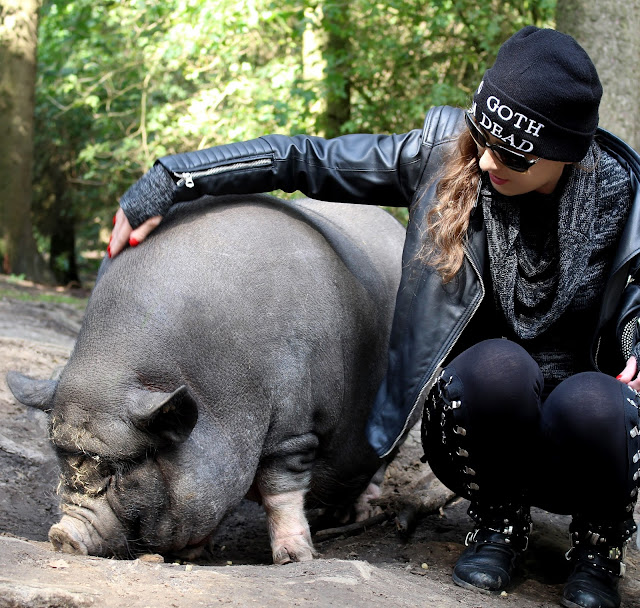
<point x="118" y="84"/>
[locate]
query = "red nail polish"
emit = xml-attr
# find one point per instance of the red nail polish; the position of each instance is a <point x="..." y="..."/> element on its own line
<point x="133" y="242"/>
<point x="618" y="377"/>
<point x="114" y="220"/>
<point x="109" y="250"/>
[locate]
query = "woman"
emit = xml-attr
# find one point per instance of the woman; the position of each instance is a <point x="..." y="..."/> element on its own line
<point x="517" y="306"/>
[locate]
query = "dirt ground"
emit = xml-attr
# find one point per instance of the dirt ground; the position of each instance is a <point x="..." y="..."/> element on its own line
<point x="373" y="566"/>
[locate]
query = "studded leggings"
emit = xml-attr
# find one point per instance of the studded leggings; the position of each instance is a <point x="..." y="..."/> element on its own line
<point x="489" y="436"/>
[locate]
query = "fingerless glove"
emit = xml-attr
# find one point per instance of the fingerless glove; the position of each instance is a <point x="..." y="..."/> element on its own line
<point x="151" y="195"/>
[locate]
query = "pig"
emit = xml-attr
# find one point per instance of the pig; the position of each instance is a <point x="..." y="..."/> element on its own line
<point x="236" y="352"/>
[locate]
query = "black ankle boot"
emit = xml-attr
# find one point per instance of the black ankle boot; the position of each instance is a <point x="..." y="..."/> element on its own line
<point x="597" y="555"/>
<point x="492" y="548"/>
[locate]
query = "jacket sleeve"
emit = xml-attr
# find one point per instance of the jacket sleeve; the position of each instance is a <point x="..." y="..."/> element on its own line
<point x="618" y="330"/>
<point x="374" y="169"/>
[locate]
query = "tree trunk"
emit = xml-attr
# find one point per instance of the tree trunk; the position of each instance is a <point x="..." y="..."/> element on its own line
<point x="18" y="43"/>
<point x="62" y="249"/>
<point x="608" y="31"/>
<point x="337" y="55"/>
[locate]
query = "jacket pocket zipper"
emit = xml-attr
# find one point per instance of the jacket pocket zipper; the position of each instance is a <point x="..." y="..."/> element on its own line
<point x="187" y="178"/>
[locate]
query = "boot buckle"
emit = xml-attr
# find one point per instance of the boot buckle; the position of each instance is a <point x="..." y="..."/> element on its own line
<point x="619" y="554"/>
<point x="471" y="537"/>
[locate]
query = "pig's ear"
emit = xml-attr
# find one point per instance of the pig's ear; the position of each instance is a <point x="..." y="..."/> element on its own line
<point x="169" y="417"/>
<point x="32" y="392"/>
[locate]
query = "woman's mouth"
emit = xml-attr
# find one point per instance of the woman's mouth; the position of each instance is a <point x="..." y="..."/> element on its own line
<point x="497" y="180"/>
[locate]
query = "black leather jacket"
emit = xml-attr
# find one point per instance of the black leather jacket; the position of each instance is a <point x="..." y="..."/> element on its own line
<point x="401" y="170"/>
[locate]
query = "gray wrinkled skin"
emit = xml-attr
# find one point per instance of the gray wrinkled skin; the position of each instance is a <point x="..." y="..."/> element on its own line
<point x="234" y="350"/>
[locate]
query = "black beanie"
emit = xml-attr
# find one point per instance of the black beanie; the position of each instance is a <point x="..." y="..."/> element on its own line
<point x="541" y="95"/>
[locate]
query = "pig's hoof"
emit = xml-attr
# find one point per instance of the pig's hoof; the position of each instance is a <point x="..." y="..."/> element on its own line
<point x="293" y="550"/>
<point x="63" y="539"/>
<point x="363" y="508"/>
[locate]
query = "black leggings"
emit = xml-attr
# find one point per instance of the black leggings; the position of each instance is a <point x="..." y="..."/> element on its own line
<point x="489" y="435"/>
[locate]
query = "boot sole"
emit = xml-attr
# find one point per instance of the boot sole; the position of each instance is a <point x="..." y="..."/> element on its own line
<point x="458" y="581"/>
<point x="569" y="604"/>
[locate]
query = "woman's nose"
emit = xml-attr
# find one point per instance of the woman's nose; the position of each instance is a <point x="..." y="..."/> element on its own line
<point x="488" y="162"/>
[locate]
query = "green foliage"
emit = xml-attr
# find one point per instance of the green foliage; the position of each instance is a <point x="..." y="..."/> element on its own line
<point x="121" y="83"/>
<point x="412" y="55"/>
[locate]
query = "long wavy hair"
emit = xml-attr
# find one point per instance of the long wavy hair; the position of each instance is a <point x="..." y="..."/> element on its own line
<point x="448" y="219"/>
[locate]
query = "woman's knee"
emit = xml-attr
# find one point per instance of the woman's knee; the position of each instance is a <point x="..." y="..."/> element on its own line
<point x="586" y="405"/>
<point x="472" y="435"/>
<point x="476" y="407"/>
<point x="590" y="445"/>
<point x="500" y="373"/>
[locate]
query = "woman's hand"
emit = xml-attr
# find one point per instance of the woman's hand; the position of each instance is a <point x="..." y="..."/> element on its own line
<point x="122" y="233"/>
<point x="629" y="374"/>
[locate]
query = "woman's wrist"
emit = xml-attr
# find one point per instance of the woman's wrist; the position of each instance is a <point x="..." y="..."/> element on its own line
<point x="151" y="195"/>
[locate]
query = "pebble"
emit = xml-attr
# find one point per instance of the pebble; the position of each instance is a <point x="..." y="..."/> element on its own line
<point x="152" y="558"/>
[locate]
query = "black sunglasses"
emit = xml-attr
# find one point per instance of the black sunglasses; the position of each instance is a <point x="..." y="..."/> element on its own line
<point x="510" y="159"/>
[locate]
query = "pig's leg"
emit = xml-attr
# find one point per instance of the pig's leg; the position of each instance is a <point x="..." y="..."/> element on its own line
<point x="282" y="480"/>
<point x="362" y="506"/>
<point x="288" y="527"/>
<point x="363" y="509"/>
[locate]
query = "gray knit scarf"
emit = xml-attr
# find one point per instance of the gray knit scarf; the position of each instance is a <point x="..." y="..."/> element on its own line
<point x="535" y="281"/>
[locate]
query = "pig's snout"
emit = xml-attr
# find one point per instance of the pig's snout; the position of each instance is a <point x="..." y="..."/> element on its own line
<point x="71" y="535"/>
<point x="84" y="532"/>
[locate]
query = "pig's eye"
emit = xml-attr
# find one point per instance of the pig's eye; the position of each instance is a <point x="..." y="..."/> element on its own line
<point x="86" y="473"/>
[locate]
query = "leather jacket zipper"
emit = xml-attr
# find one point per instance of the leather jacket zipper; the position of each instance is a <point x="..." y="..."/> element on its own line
<point x="186" y="178"/>
<point x="595" y="357"/>
<point x="427" y="385"/>
<point x="475" y="308"/>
